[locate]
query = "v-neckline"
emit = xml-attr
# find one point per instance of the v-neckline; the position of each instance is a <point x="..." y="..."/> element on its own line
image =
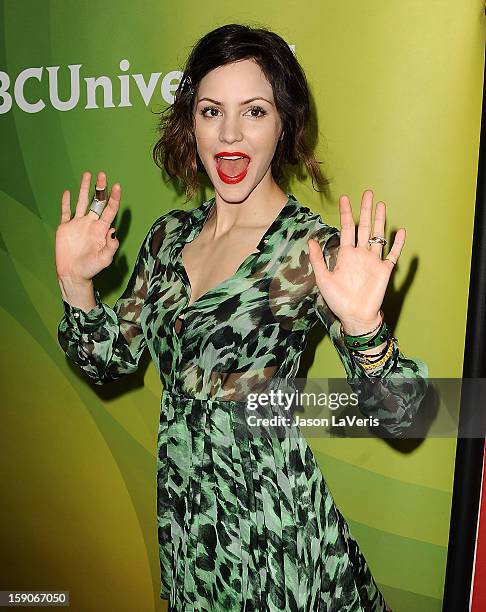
<point x="243" y="264"/>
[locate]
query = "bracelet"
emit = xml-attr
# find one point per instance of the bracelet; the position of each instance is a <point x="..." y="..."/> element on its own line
<point x="367" y="358"/>
<point x="357" y="344"/>
<point x="371" y="358"/>
<point x="367" y="333"/>
<point x="366" y="340"/>
<point x="372" y="366"/>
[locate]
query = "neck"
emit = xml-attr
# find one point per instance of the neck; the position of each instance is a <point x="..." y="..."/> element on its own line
<point x="258" y="209"/>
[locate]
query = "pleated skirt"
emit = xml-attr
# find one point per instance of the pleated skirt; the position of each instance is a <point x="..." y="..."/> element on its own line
<point x="246" y="522"/>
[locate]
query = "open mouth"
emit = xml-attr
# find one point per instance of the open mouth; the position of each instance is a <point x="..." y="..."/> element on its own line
<point x="232" y="167"/>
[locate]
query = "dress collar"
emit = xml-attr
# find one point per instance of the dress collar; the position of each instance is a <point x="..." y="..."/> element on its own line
<point x="192" y="226"/>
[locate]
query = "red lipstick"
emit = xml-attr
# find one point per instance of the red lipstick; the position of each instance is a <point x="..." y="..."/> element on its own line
<point x="226" y="178"/>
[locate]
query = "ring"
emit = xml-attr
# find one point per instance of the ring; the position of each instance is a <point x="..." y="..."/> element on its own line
<point x="393" y="262"/>
<point x="379" y="239"/>
<point x="97" y="206"/>
<point x="98" y="203"/>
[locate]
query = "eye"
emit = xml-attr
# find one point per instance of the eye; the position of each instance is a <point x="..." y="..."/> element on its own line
<point x="253" y="109"/>
<point x="259" y="109"/>
<point x="206" y="108"/>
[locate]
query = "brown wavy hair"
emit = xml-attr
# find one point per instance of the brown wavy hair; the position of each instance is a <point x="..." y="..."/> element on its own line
<point x="176" y="152"/>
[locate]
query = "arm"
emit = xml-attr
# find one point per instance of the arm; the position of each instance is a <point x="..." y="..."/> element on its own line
<point x="391" y="392"/>
<point x="107" y="343"/>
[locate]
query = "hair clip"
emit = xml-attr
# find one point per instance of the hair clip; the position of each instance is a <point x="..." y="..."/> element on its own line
<point x="187" y="80"/>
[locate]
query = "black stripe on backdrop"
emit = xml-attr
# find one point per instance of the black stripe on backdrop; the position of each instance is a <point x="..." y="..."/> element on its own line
<point x="470" y="450"/>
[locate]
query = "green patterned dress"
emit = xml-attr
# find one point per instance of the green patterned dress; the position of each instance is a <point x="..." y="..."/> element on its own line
<point x="245" y="522"/>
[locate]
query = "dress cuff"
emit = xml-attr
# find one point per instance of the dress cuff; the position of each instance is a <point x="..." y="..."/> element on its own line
<point x="85" y="322"/>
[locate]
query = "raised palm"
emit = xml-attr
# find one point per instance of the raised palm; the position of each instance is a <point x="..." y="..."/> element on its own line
<point x="84" y="243"/>
<point x="355" y="289"/>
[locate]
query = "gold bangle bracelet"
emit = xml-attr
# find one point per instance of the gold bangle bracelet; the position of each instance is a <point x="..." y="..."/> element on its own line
<point x="383" y="359"/>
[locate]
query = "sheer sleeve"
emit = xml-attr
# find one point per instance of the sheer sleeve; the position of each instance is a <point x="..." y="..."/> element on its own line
<point x="107" y="343"/>
<point x="392" y="392"/>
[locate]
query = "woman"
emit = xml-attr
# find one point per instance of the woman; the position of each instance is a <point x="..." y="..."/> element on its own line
<point x="224" y="296"/>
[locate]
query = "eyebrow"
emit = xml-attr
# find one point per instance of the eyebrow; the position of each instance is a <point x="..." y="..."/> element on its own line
<point x="241" y="103"/>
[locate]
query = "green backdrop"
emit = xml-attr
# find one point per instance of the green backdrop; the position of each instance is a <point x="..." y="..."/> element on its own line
<point x="397" y="91"/>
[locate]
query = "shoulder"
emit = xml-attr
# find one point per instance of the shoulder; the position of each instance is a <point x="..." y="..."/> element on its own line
<point x="310" y="224"/>
<point x="167" y="225"/>
<point x="169" y="221"/>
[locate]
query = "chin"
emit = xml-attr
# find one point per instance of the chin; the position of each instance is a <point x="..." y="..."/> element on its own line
<point x="236" y="192"/>
<point x="233" y="193"/>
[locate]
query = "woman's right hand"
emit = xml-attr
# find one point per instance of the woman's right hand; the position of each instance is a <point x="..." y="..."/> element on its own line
<point x="85" y="244"/>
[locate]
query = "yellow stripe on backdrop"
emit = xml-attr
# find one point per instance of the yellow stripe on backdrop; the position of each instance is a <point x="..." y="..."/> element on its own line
<point x="397" y="91"/>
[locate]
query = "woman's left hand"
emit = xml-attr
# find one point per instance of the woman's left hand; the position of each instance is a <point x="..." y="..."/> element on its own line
<point x="355" y="289"/>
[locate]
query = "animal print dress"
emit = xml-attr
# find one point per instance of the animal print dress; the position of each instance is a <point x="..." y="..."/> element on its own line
<point x="246" y="521"/>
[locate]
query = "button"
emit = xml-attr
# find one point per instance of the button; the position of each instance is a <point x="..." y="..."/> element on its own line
<point x="76" y="314"/>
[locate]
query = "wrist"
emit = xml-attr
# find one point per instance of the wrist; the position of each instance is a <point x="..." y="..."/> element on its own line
<point x="73" y="281"/>
<point x="78" y="293"/>
<point x="358" y="327"/>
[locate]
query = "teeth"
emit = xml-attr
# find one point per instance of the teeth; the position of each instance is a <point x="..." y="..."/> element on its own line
<point x="230" y="157"/>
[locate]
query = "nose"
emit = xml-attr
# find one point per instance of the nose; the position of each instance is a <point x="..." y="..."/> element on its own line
<point x="231" y="130"/>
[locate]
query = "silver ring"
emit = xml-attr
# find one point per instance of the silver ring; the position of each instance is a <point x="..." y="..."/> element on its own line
<point x="379" y="239"/>
<point x="99" y="201"/>
<point x="97" y="206"/>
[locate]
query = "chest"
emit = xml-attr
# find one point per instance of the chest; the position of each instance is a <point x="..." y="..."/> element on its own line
<point x="208" y="263"/>
<point x="223" y="291"/>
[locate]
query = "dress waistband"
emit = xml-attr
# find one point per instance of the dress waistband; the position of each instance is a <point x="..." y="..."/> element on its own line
<point x="168" y="393"/>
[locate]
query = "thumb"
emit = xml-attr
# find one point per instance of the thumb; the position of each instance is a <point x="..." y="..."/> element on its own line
<point x="317" y="261"/>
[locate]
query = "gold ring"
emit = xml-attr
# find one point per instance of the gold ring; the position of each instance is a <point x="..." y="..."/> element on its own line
<point x="379" y="239"/>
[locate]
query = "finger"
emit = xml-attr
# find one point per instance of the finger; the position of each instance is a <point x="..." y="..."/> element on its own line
<point x="65" y="206"/>
<point x="318" y="263"/>
<point x="112" y="243"/>
<point x="379" y="227"/>
<point x="364" y="227"/>
<point x="110" y="210"/>
<point x="83" y="194"/>
<point x="347" y="222"/>
<point x="392" y="258"/>
<point x="101" y="193"/>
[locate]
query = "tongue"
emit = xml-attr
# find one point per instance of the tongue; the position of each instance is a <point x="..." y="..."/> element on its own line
<point x="233" y="167"/>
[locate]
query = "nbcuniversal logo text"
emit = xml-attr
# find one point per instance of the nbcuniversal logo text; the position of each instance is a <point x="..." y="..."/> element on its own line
<point x="123" y="84"/>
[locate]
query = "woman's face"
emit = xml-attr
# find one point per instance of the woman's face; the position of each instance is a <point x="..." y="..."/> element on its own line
<point x="235" y="113"/>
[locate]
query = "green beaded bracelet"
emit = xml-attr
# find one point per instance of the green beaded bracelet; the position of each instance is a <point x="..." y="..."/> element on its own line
<point x="362" y="344"/>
